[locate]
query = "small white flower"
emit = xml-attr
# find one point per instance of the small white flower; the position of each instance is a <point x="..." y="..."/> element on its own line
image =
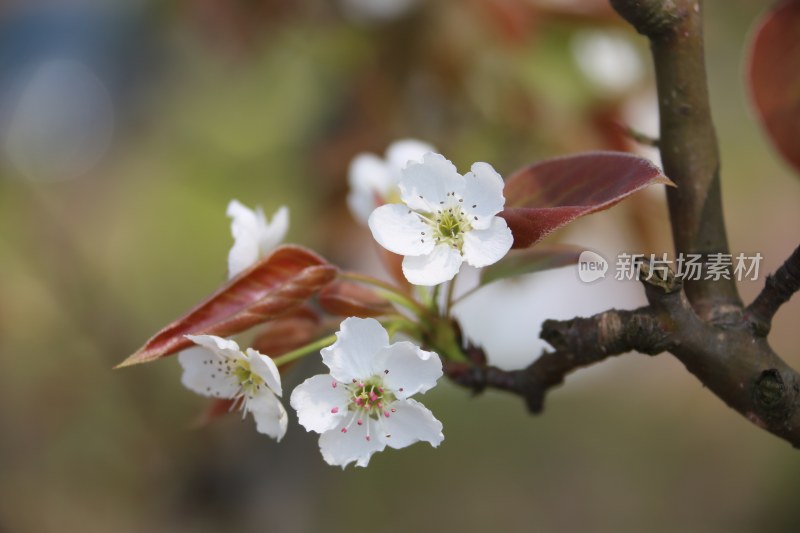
<point x="447" y="219"/>
<point x="219" y="369"/>
<point x="253" y="236"/>
<point x="373" y="181"/>
<point x="364" y="404"/>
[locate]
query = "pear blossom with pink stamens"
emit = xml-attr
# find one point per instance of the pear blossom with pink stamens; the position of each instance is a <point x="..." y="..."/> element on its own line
<point x="365" y="403"/>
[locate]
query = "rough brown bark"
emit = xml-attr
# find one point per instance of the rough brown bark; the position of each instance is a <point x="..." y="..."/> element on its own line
<point x="687" y="139"/>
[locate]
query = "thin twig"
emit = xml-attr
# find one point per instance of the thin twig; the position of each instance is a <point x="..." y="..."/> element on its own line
<point x="778" y="288"/>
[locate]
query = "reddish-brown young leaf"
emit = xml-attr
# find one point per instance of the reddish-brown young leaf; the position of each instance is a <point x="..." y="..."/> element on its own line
<point x="552" y="193"/>
<point x="275" y="285"/>
<point x="344" y="298"/>
<point x="288" y="333"/>
<point x="774" y="78"/>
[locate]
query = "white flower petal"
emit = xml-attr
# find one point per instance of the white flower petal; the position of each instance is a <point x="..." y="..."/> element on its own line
<point x="272" y="234"/>
<point x="242" y="217"/>
<point x="269" y="414"/>
<point x="409" y="423"/>
<point x="357" y="342"/>
<point x="320" y="406"/>
<point x="484" y="190"/>
<point x="245" y="226"/>
<point x="425" y="186"/>
<point x="400" y="230"/>
<point x="440" y="265"/>
<point x="370" y="173"/>
<point x="341" y="449"/>
<point x="370" y="183"/>
<point x="243" y="254"/>
<point x="488" y="246"/>
<point x="204" y="373"/>
<point x="411" y="370"/>
<point x="225" y="348"/>
<point x="361" y="204"/>
<point x="401" y="152"/>
<point x="265" y="368"/>
<point x="253" y="235"/>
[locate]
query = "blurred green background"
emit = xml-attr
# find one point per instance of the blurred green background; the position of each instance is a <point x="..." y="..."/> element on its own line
<point x="267" y="101"/>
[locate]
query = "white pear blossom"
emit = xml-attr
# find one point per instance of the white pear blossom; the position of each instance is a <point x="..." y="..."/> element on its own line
<point x="217" y="368"/>
<point x="373" y="181"/>
<point x="253" y="236"/>
<point x="445" y="219"/>
<point x="365" y="403"/>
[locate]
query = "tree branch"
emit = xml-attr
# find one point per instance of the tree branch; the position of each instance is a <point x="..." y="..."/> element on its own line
<point x="578" y="342"/>
<point x="687" y="140"/>
<point x="777" y="291"/>
<point x="744" y="372"/>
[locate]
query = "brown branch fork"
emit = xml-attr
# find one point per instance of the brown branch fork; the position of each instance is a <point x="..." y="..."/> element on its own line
<point x="701" y="322"/>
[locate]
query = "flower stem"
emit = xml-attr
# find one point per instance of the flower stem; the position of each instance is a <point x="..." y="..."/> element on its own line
<point x="434" y="301"/>
<point x="399" y="323"/>
<point x="305" y="350"/>
<point x="448" y="303"/>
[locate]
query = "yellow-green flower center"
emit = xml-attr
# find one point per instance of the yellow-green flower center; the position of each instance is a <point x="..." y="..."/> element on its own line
<point x="450" y="225"/>
<point x="249" y="381"/>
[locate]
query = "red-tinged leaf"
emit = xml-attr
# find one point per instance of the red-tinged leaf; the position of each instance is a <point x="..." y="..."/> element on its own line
<point x="343" y="298"/>
<point x="552" y="193"/>
<point x="519" y="262"/>
<point x="273" y="286"/>
<point x="288" y="333"/>
<point x="774" y="78"/>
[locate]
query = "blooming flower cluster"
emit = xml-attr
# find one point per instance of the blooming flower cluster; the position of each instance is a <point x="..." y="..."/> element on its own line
<point x="416" y="204"/>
